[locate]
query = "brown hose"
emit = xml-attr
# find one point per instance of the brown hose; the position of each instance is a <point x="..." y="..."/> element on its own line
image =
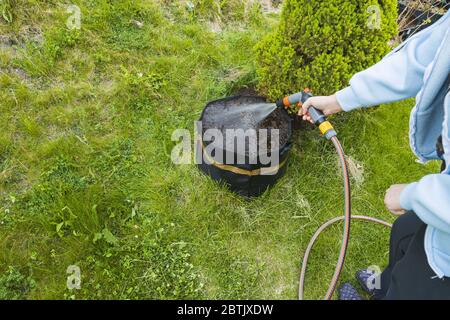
<point x="346" y="234"/>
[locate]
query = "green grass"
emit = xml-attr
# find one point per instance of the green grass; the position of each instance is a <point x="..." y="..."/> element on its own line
<point x="86" y="177"/>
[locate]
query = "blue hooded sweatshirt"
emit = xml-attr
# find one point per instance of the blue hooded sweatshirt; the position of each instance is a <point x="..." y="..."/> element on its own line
<point x="419" y="67"/>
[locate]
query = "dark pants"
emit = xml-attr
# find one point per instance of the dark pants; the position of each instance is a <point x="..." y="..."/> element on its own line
<point x="408" y="275"/>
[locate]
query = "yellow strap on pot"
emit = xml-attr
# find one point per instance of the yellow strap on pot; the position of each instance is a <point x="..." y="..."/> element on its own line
<point x="236" y="170"/>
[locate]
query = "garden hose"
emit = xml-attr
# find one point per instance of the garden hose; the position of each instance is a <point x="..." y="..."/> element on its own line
<point x="328" y="131"/>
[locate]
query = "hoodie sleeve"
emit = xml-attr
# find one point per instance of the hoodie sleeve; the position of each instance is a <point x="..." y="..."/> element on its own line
<point x="430" y="200"/>
<point x="399" y="75"/>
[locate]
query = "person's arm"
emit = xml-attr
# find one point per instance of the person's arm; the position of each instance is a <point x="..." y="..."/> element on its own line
<point x="399" y="75"/>
<point x="429" y="198"/>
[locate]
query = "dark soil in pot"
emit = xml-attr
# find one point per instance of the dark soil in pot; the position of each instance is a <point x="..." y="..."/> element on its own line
<point x="245" y="113"/>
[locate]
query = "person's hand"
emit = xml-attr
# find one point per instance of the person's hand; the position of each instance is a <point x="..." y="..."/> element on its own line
<point x="392" y="199"/>
<point x="328" y="105"/>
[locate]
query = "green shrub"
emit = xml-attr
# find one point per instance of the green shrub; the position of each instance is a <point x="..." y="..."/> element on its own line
<point x="321" y="44"/>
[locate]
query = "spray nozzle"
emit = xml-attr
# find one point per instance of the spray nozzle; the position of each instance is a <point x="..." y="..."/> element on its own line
<point x="317" y="115"/>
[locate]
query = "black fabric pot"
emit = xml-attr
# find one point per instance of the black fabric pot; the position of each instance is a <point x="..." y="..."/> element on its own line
<point x="245" y="179"/>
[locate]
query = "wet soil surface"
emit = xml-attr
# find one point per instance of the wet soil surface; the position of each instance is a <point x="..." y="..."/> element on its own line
<point x="247" y="113"/>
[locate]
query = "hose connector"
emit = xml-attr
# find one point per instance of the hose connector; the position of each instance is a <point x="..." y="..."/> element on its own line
<point x="327" y="130"/>
<point x="320" y="120"/>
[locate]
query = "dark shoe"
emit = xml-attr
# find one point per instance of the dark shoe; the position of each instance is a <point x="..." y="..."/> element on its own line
<point x="363" y="278"/>
<point x="348" y="292"/>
